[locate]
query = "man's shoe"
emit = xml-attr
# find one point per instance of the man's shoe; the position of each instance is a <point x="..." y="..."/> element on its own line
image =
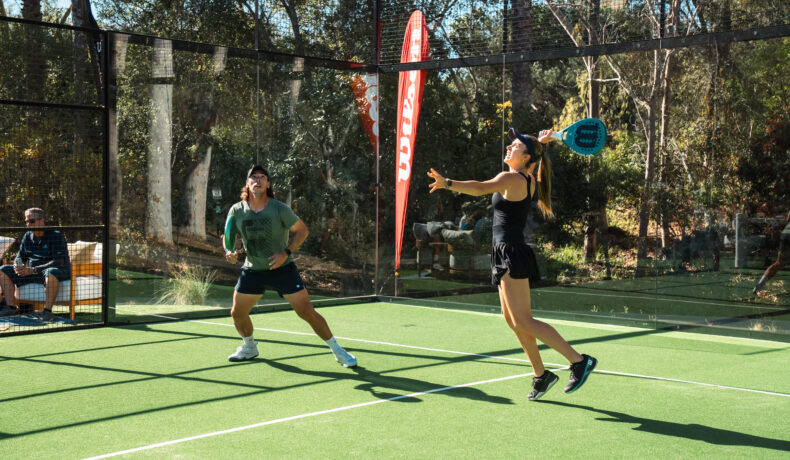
<point x="244" y="353"/>
<point x="7" y="310"/>
<point x="345" y="358"/>
<point x="757" y="289"/>
<point x="45" y="316"/>
<point x="579" y="373"/>
<point x="542" y="384"/>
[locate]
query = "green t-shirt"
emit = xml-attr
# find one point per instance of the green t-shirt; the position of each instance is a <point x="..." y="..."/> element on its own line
<point x="264" y="233"/>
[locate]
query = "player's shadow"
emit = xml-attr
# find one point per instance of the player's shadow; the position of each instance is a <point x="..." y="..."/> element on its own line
<point x="378" y="384"/>
<point x="692" y="431"/>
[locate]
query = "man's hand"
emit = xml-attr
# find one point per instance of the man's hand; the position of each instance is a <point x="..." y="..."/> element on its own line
<point x="277" y="259"/>
<point x="23" y="270"/>
<point x="231" y="257"/>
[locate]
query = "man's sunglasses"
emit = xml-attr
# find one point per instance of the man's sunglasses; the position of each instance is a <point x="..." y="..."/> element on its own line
<point x="30" y="221"/>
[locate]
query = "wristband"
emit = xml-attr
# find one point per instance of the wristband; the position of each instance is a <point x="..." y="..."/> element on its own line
<point x="449" y="182"/>
<point x="227" y="251"/>
<point x="287" y="251"/>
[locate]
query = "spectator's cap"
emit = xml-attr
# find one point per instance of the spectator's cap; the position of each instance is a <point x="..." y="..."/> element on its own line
<point x="529" y="143"/>
<point x="257" y="168"/>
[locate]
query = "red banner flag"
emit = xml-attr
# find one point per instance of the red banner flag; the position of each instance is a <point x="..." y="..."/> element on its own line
<point x="410" y="86"/>
<point x="365" y="88"/>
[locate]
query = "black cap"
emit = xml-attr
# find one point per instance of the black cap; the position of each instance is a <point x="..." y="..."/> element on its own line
<point x="513" y="134"/>
<point x="257" y="168"/>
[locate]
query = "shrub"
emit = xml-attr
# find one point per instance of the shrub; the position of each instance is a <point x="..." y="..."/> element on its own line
<point x="188" y="286"/>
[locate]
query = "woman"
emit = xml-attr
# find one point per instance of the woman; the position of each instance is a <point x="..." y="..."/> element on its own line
<point x="264" y="225"/>
<point x="513" y="263"/>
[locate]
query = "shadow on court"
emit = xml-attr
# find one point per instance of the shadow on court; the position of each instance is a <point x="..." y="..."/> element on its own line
<point x="378" y="384"/>
<point x="691" y="431"/>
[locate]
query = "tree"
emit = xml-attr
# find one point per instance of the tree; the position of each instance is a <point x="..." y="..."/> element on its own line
<point x="158" y="222"/>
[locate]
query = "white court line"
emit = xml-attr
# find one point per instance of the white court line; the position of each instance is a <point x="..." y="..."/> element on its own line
<point x="301" y="416"/>
<point x="555" y="366"/>
<point x="411" y="395"/>
<point x="655" y="299"/>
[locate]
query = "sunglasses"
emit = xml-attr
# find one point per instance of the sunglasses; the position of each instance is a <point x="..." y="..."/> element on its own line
<point x="30" y="221"/>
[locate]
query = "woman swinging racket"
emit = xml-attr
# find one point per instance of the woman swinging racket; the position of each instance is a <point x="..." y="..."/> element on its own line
<point x="513" y="263"/>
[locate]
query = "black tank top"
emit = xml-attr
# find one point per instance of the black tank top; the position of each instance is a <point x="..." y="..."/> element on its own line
<point x="510" y="217"/>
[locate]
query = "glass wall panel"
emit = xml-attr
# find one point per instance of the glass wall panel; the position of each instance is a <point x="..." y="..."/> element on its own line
<point x="186" y="137"/>
<point x="52" y="144"/>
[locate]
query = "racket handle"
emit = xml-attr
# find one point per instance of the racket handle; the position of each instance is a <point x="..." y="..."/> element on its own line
<point x="557" y="135"/>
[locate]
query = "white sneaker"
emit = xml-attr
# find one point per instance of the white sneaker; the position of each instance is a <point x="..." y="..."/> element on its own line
<point x="437" y="266"/>
<point x="244" y="353"/>
<point x="345" y="358"/>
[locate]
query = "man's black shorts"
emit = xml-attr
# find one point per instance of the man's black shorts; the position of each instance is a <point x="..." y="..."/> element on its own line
<point x="285" y="280"/>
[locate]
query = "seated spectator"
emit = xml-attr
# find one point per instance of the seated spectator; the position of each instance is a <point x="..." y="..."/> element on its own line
<point x="43" y="258"/>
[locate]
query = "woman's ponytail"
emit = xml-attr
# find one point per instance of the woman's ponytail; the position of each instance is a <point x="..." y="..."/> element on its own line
<point x="544" y="181"/>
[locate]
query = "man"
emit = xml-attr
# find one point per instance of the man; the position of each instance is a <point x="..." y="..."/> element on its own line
<point x="264" y="225"/>
<point x="43" y="258"/>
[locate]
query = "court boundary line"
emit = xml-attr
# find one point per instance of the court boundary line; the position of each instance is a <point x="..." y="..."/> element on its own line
<point x="555" y="366"/>
<point x="655" y="299"/>
<point x="396" y="398"/>
<point x="302" y="416"/>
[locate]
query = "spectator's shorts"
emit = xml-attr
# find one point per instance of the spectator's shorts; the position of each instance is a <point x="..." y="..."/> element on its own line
<point x="62" y="274"/>
<point x="285" y="280"/>
<point x="518" y="259"/>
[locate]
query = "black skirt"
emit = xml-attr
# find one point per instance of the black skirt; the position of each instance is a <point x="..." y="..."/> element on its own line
<point x="518" y="259"/>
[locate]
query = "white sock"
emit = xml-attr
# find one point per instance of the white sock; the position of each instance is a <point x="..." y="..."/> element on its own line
<point x="249" y="342"/>
<point x="333" y="344"/>
<point x="762" y="281"/>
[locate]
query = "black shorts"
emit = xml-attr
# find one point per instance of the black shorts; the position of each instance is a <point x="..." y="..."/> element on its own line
<point x="285" y="280"/>
<point x="518" y="259"/>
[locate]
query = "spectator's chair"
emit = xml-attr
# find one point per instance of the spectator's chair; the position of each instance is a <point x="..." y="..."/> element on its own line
<point x="84" y="287"/>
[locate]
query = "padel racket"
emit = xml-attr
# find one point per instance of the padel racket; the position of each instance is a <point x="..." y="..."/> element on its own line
<point x="586" y="137"/>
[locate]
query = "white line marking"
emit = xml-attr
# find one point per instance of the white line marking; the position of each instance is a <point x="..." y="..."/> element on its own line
<point x="505" y="358"/>
<point x="615" y="327"/>
<point x="656" y="299"/>
<point x="301" y="416"/>
<point x="713" y="385"/>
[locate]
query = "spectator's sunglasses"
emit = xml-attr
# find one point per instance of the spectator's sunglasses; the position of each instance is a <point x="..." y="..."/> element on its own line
<point x="31" y="220"/>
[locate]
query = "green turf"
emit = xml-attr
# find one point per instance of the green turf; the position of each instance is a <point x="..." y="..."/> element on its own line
<point x="83" y="393"/>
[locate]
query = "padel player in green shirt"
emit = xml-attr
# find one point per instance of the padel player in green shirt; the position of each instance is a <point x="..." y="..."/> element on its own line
<point x="265" y="225"/>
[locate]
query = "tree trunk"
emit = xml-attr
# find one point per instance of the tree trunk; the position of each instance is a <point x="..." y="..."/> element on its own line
<point x="644" y="204"/>
<point x="197" y="196"/>
<point x="35" y="67"/>
<point x="663" y="174"/>
<point x="197" y="181"/>
<point x="521" y="72"/>
<point x="115" y="185"/>
<point x="593" y="111"/>
<point x="159" y="221"/>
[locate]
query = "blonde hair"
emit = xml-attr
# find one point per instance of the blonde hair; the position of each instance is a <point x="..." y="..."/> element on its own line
<point x="543" y="177"/>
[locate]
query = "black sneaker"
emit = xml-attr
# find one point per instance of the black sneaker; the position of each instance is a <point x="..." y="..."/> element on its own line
<point x="542" y="384"/>
<point x="579" y="373"/>
<point x="7" y="310"/>
<point x="45" y="316"/>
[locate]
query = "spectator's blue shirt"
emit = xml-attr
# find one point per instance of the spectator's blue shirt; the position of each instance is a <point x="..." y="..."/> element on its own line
<point x="39" y="251"/>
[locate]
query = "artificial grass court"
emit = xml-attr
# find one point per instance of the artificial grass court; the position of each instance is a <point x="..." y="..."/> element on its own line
<point x="432" y="383"/>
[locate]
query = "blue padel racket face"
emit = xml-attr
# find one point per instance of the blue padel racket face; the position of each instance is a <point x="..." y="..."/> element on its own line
<point x="586" y="136"/>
